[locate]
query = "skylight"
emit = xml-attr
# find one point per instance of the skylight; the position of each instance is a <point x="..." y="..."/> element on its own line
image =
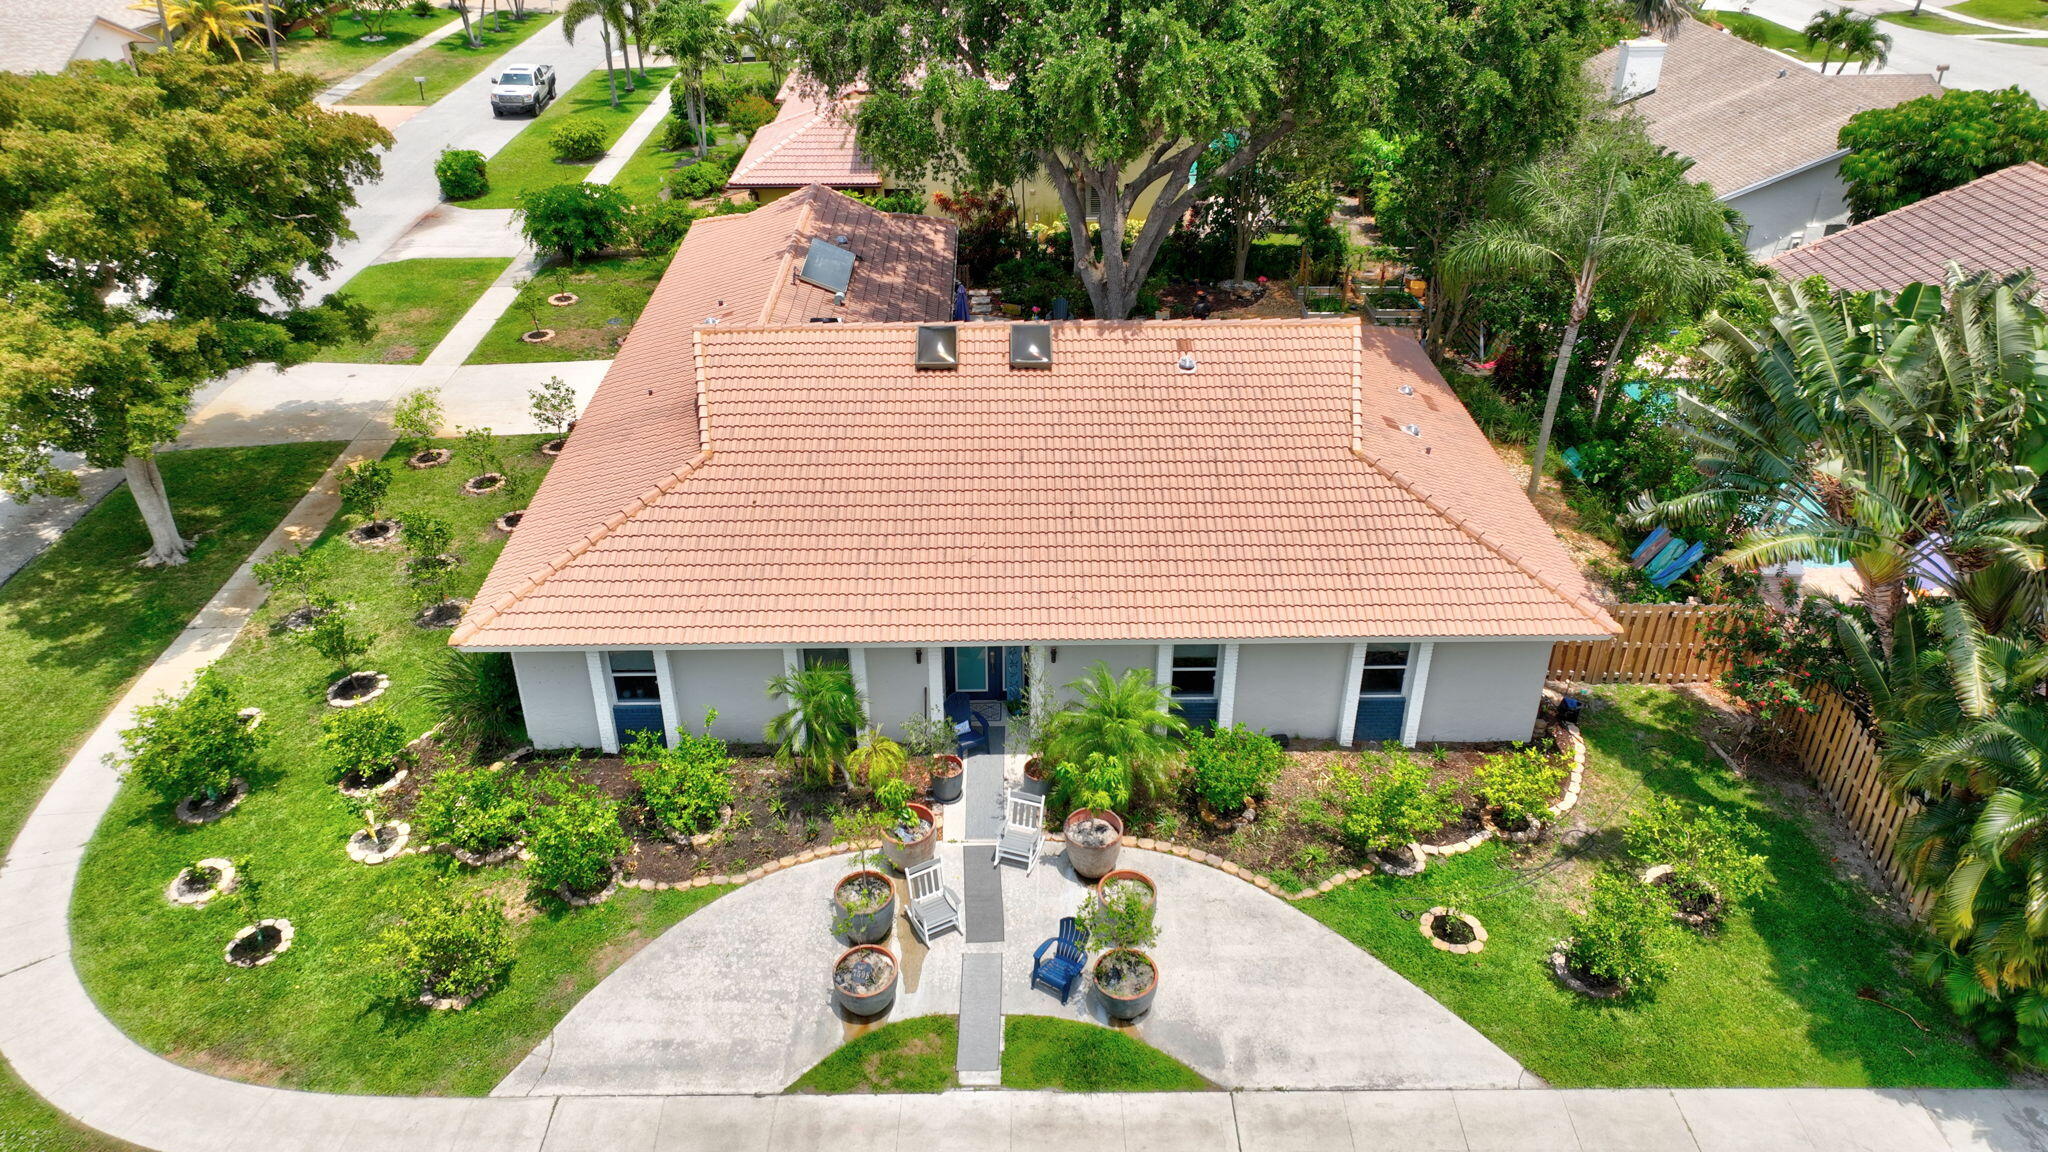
<point x="828" y="266"/>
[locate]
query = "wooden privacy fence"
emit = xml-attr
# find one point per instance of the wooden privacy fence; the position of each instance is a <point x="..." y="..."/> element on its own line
<point x="1667" y="644"/>
<point x="1660" y="644"/>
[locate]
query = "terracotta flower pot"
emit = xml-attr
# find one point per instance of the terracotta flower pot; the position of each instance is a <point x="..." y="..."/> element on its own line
<point x="1093" y="860"/>
<point x="902" y="855"/>
<point x="947" y="775"/>
<point x="1132" y="875"/>
<point x="871" y="927"/>
<point x="869" y="1001"/>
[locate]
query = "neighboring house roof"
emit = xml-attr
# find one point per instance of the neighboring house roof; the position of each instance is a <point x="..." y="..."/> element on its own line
<point x="810" y="141"/>
<point x="814" y="486"/>
<point x="742" y="269"/>
<point x="1748" y="116"/>
<point x="45" y="35"/>
<point x="1996" y="223"/>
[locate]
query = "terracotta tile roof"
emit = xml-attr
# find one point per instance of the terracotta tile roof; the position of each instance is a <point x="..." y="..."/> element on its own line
<point x="742" y="269"/>
<point x="1996" y="223"/>
<point x="1745" y="114"/>
<point x="810" y="141"/>
<point x="833" y="493"/>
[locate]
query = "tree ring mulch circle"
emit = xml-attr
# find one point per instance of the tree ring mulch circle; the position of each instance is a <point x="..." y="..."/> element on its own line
<point x="259" y="943"/>
<point x="298" y="619"/>
<point x="1471" y="940"/>
<point x="356" y="688"/>
<point x="699" y="840"/>
<point x="1577" y="983"/>
<point x="537" y="336"/>
<point x="483" y="485"/>
<point x="1393" y="865"/>
<point x="192" y="889"/>
<point x="554" y="447"/>
<point x="360" y="791"/>
<point x="598" y="897"/>
<point x="446" y="614"/>
<point x="445" y="1003"/>
<point x="199" y="810"/>
<point x="563" y="299"/>
<point x="1697" y="915"/>
<point x="389" y="844"/>
<point x="375" y="534"/>
<point x="429" y="458"/>
<point x="509" y="520"/>
<point x="491" y="859"/>
<point x="1528" y="834"/>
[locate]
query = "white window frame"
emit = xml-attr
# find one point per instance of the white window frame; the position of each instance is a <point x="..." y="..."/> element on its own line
<point x="611" y="676"/>
<point x="1174" y="666"/>
<point x="1368" y="668"/>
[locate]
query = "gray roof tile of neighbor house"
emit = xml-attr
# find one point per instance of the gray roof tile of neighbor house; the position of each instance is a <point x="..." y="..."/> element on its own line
<point x="1996" y="223"/>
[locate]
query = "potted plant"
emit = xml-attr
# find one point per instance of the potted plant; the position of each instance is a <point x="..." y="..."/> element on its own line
<point x="931" y="738"/>
<point x="1231" y="768"/>
<point x="863" y="901"/>
<point x="1093" y="831"/>
<point x="864" y="980"/>
<point x="1381" y="819"/>
<point x="1120" y="922"/>
<point x="1518" y="787"/>
<point x="1117" y="881"/>
<point x="1696" y="858"/>
<point x="910" y="831"/>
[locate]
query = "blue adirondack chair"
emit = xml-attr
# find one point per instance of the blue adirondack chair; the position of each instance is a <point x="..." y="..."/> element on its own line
<point x="1061" y="971"/>
<point x="1651" y="545"/>
<point x="969" y="730"/>
<point x="1571" y="459"/>
<point x="1663" y="576"/>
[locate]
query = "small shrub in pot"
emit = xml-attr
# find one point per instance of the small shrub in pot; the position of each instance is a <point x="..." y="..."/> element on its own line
<point x="864" y="980"/>
<point x="1231" y="766"/>
<point x="1620" y="941"/>
<point x="1120" y="921"/>
<point x="910" y="832"/>
<point x="442" y="948"/>
<point x="192" y="745"/>
<point x="932" y="738"/>
<point x="575" y="837"/>
<point x="1384" y="815"/>
<point x="687" y="788"/>
<point x="863" y="901"/>
<point x="1519" y="786"/>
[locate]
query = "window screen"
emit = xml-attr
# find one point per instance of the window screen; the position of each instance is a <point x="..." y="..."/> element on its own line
<point x="633" y="677"/>
<point x="1386" y="670"/>
<point x="1194" y="670"/>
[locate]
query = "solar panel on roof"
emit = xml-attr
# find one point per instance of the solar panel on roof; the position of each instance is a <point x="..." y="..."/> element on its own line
<point x="828" y="266"/>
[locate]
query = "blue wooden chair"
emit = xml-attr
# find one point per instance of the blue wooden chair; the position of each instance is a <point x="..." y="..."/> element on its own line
<point x="1663" y="576"/>
<point x="1061" y="971"/>
<point x="1651" y="545"/>
<point x="970" y="731"/>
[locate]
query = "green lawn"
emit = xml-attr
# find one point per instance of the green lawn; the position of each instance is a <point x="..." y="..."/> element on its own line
<point x="642" y="177"/>
<point x="1772" y="1001"/>
<point x="2018" y="13"/>
<point x="1041" y="1052"/>
<point x="1758" y="30"/>
<point x="1934" y="22"/>
<point x="81" y="621"/>
<point x="344" y="53"/>
<point x="2030" y="42"/>
<point x="914" y="1055"/>
<point x="312" y="1020"/>
<point x="416" y="302"/>
<point x="449" y="63"/>
<point x="612" y="289"/>
<point x="528" y="162"/>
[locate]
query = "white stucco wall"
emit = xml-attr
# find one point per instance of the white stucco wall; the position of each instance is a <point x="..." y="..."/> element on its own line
<point x="554" y="690"/>
<point x="1291" y="688"/>
<point x="896" y="688"/>
<point x="732" y="680"/>
<point x="1483" y="691"/>
<point x="1780" y="214"/>
<point x="1075" y="660"/>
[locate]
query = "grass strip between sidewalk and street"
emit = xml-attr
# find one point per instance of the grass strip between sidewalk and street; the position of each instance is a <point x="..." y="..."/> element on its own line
<point x="528" y="162"/>
<point x="449" y="63"/>
<point x="1934" y="22"/>
<point x="414" y="304"/>
<point x="2013" y="13"/>
<point x="343" y="53"/>
<point x="610" y="293"/>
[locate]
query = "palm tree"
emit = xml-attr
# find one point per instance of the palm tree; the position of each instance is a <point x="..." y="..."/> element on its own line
<point x="1127" y="718"/>
<point x="210" y="26"/>
<point x="1827" y="27"/>
<point x="1594" y="213"/>
<point x="875" y="759"/>
<point x="693" y="34"/>
<point x="1863" y="41"/>
<point x="1880" y="433"/>
<point x="821" y="725"/>
<point x="1666" y="17"/>
<point x="766" y="28"/>
<point x="610" y="14"/>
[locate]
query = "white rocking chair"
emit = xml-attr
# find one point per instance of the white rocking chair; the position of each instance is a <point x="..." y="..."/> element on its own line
<point x="933" y="908"/>
<point x="1023" y="831"/>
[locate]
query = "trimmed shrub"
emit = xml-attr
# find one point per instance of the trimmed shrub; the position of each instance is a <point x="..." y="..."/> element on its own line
<point x="1621" y="939"/>
<point x="193" y="745"/>
<point x="463" y="172"/>
<point x="1705" y="847"/>
<point x="365" y="742"/>
<point x="679" y="135"/>
<point x="475" y="809"/>
<point x="575" y="837"/>
<point x="660" y="226"/>
<point x="749" y="112"/>
<point x="697" y="181"/>
<point x="1394" y="807"/>
<point x="574" y="219"/>
<point x="442" y="945"/>
<point x="1522" y="782"/>
<point x="577" y="141"/>
<point x="684" y="787"/>
<point x="1232" y="765"/>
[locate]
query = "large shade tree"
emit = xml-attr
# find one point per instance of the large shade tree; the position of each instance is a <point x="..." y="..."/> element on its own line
<point x="1114" y="101"/>
<point x="1608" y="210"/>
<point x="1911" y="151"/>
<point x="153" y="226"/>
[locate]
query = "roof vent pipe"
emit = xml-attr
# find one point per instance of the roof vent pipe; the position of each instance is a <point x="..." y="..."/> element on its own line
<point x="1412" y="429"/>
<point x="1406" y="389"/>
<point x="938" y="346"/>
<point x="1186" y="363"/>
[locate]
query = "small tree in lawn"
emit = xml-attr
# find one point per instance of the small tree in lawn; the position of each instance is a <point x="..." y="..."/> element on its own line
<point x="333" y="635"/>
<point x="417" y="420"/>
<point x="1622" y="940"/>
<point x="1393" y="808"/>
<point x="554" y="406"/>
<point x="374" y="16"/>
<point x="442" y="946"/>
<point x="1706" y="849"/>
<point x="284" y="571"/>
<point x="362" y="746"/>
<point x="431" y="567"/>
<point x="574" y="219"/>
<point x="192" y="745"/>
<point x="575" y="837"/>
<point x="479" y="450"/>
<point x="364" y="485"/>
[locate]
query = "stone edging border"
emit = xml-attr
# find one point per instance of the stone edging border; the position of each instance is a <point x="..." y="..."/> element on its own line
<point x="359" y="849"/>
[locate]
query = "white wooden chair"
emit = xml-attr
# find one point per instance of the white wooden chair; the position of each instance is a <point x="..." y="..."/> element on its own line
<point x="933" y="907"/>
<point x="1023" y="830"/>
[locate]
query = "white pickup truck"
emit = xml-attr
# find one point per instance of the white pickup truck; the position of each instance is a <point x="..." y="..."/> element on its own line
<point x="522" y="88"/>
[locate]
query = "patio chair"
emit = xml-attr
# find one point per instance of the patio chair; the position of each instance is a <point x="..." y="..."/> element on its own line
<point x="970" y="731"/>
<point x="1651" y="545"/>
<point x="932" y="908"/>
<point x="1061" y="971"/>
<point x="1677" y="567"/>
<point x="1023" y="830"/>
